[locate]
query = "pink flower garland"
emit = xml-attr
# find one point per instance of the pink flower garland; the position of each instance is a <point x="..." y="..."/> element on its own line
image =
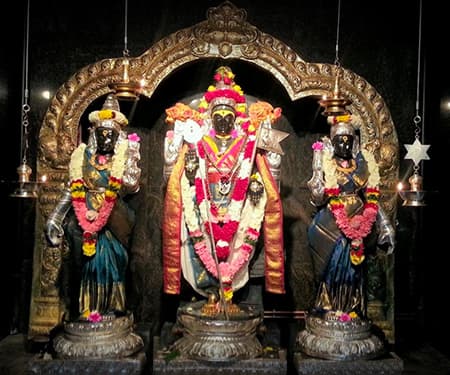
<point x="227" y="270"/>
<point x="357" y="227"/>
<point x="99" y="222"/>
<point x="223" y="233"/>
<point x="224" y="93"/>
<point x="91" y="227"/>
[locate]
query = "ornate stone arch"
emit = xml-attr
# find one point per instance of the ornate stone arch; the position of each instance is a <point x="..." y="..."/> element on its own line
<point x="225" y="34"/>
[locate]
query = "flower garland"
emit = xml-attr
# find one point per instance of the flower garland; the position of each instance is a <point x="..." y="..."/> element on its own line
<point x="223" y="231"/>
<point x="357" y="227"/>
<point x="92" y="221"/>
<point x="260" y="111"/>
<point x="225" y="89"/>
<point x="108" y="114"/>
<point x="182" y="112"/>
<point x="228" y="269"/>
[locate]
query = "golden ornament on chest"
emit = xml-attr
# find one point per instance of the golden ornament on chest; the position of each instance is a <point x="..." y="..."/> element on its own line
<point x="191" y="164"/>
<point x="255" y="191"/>
<point x="223" y="187"/>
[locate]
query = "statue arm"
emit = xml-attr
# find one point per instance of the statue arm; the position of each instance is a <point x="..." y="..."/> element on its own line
<point x="316" y="183"/>
<point x="386" y="231"/>
<point x="53" y="227"/>
<point x="274" y="160"/>
<point x="132" y="173"/>
<point x="172" y="145"/>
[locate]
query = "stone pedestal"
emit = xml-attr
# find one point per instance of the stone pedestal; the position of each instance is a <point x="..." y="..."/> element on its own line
<point x="341" y="340"/>
<point x="133" y="365"/>
<point x="170" y="363"/>
<point x="389" y="364"/>
<point x="216" y="339"/>
<point x="111" y="338"/>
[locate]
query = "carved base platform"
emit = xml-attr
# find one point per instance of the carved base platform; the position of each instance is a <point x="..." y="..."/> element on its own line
<point x="133" y="365"/>
<point x="216" y="339"/>
<point x="273" y="363"/>
<point x="110" y="338"/>
<point x="334" y="339"/>
<point x="389" y="364"/>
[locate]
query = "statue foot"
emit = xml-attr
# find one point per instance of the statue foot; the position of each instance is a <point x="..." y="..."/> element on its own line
<point x="213" y="308"/>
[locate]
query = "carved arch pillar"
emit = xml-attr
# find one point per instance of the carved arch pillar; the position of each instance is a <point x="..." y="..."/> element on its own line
<point x="225" y="34"/>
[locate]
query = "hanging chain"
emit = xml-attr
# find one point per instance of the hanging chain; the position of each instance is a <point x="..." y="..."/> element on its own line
<point x="417" y="119"/>
<point x="25" y="91"/>
<point x="126" y="52"/>
<point x="25" y="131"/>
<point x="336" y="59"/>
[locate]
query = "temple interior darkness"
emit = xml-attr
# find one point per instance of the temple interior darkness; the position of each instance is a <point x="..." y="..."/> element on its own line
<point x="376" y="42"/>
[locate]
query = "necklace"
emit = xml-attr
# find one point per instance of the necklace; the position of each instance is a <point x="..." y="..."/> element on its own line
<point x="225" y="182"/>
<point x="100" y="162"/>
<point x="223" y="144"/>
<point x="346" y="166"/>
<point x="226" y="179"/>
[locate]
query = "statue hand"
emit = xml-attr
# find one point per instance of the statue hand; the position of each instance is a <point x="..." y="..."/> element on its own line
<point x="386" y="237"/>
<point x="54" y="233"/>
<point x="316" y="185"/>
<point x="172" y="146"/>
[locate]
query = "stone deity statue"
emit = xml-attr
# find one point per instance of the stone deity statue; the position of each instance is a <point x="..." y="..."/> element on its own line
<point x="97" y="223"/>
<point x="349" y="225"/>
<point x="222" y="193"/>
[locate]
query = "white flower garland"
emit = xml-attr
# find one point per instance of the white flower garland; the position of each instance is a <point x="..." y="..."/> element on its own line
<point x="117" y="167"/>
<point x="329" y="169"/>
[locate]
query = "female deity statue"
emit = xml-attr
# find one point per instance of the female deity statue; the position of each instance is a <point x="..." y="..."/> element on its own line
<point x="94" y="217"/>
<point x="348" y="225"/>
<point x="222" y="191"/>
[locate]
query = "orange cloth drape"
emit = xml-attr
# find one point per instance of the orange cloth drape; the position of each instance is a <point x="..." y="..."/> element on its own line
<point x="273" y="231"/>
<point x="172" y="228"/>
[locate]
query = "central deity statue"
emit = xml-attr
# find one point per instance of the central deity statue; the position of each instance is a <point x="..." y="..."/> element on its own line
<point x="222" y="193"/>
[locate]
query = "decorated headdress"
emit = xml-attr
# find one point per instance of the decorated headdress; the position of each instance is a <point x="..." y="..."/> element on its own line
<point x="224" y="91"/>
<point x="109" y="116"/>
<point x="346" y="125"/>
<point x="341" y="125"/>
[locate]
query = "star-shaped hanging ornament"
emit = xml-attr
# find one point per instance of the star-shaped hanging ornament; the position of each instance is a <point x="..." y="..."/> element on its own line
<point x="417" y="152"/>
